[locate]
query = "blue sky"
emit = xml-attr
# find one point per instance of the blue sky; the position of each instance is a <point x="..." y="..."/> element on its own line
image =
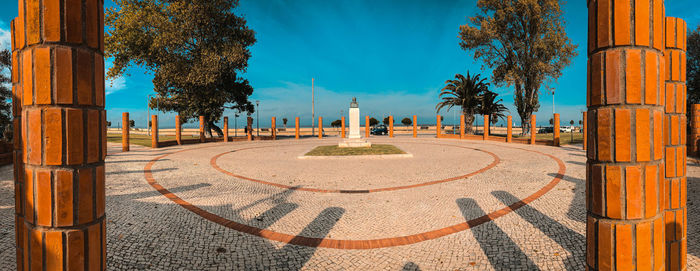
<point x="394" y="56"/>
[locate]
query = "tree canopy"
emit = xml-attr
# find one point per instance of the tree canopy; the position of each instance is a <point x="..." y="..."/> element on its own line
<point x="524" y="43"/>
<point x="693" y="70"/>
<point x="407" y="121"/>
<point x="465" y="92"/>
<point x="196" y="51"/>
<point x="5" y="94"/>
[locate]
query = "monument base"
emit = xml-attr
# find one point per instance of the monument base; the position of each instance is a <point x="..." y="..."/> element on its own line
<point x="355" y="143"/>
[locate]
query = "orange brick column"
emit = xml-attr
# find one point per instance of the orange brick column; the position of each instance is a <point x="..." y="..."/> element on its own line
<point x="461" y="126"/>
<point x="694" y="139"/>
<point x="487" y="124"/>
<point x="178" y="130"/>
<point x="296" y="128"/>
<point x="556" y="130"/>
<point x="509" y="133"/>
<point x="624" y="178"/>
<point x="438" y="127"/>
<point x="320" y="127"/>
<point x="202" y="139"/>
<point x="585" y="128"/>
<point x="674" y="140"/>
<point x="18" y="163"/>
<point x="415" y="126"/>
<point x="533" y="129"/>
<point x="154" y="131"/>
<point x="342" y="127"/>
<point x="273" y="127"/>
<point x="366" y="126"/>
<point x="391" y="126"/>
<point x="125" y="131"/>
<point x="59" y="62"/>
<point x="225" y="129"/>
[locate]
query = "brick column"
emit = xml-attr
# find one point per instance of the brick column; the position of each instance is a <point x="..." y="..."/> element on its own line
<point x="342" y="127"/>
<point x="125" y="131"/>
<point x="391" y="126"/>
<point x="154" y="131"/>
<point x="415" y="126"/>
<point x="625" y="227"/>
<point x="60" y="180"/>
<point x="366" y="126"/>
<point x="438" y="127"/>
<point x="320" y="127"/>
<point x="202" y="139"/>
<point x="509" y="133"/>
<point x="461" y="126"/>
<point x="675" y="148"/>
<point x="249" y="127"/>
<point x="694" y="139"/>
<point x="273" y="128"/>
<point x="296" y="128"/>
<point x="533" y="129"/>
<point x="556" y="127"/>
<point x="487" y="125"/>
<point x="585" y="128"/>
<point x="178" y="130"/>
<point x="225" y="129"/>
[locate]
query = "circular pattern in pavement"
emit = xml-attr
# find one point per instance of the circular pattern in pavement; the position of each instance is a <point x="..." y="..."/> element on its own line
<point x="354" y="244"/>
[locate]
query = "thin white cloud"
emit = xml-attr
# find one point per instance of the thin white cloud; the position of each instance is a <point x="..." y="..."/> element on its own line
<point x="5" y="36"/>
<point x="113" y="85"/>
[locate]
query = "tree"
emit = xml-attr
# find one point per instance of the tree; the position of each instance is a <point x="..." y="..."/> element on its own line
<point x="386" y="121"/>
<point x="336" y="123"/>
<point x="492" y="107"/>
<point x="132" y="123"/>
<point x="465" y="92"/>
<point x="6" y="94"/>
<point x="196" y="51"/>
<point x="407" y="121"/>
<point x="524" y="43"/>
<point x="284" y="120"/>
<point x="373" y="122"/>
<point x="109" y="124"/>
<point x="693" y="67"/>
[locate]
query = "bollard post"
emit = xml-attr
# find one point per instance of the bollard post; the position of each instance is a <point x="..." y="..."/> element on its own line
<point x="509" y="131"/>
<point x="225" y="129"/>
<point x="555" y="130"/>
<point x="249" y="128"/>
<point x="694" y="139"/>
<point x="487" y="126"/>
<point x="415" y="126"/>
<point x="461" y="126"/>
<point x="366" y="126"/>
<point x="533" y="129"/>
<point x="439" y="126"/>
<point x="154" y="131"/>
<point x="296" y="128"/>
<point x="273" y="127"/>
<point x="391" y="126"/>
<point x="178" y="130"/>
<point x="342" y="127"/>
<point x="320" y="127"/>
<point x="126" y="125"/>
<point x="202" y="139"/>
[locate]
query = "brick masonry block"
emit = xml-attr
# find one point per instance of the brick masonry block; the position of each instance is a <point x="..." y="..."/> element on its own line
<point x="622" y="246"/>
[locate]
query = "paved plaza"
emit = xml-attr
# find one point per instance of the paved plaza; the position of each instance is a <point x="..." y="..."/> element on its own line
<point x="453" y="205"/>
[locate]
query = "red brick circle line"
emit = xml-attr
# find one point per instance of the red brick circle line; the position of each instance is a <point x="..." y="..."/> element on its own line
<point x="496" y="161"/>
<point x="352" y="244"/>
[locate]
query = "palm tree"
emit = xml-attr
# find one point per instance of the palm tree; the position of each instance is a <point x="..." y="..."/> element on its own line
<point x="465" y="92"/>
<point x="492" y="107"/>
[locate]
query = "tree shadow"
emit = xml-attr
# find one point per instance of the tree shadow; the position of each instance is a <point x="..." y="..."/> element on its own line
<point x="565" y="237"/>
<point x="577" y="206"/>
<point x="693" y="205"/>
<point x="576" y="163"/>
<point x="246" y="252"/>
<point x="502" y="252"/>
<point x="138" y="171"/>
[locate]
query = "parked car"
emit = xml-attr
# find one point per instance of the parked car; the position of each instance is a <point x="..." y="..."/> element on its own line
<point x="566" y="129"/>
<point x="546" y="130"/>
<point x="379" y="130"/>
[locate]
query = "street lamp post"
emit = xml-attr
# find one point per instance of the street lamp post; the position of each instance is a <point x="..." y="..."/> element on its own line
<point x="257" y="111"/>
<point x="235" y="124"/>
<point x="313" y="114"/>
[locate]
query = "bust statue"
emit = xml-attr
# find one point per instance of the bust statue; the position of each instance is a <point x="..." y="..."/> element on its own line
<point x="353" y="104"/>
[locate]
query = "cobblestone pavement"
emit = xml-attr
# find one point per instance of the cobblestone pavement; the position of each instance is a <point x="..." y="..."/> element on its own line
<point x="264" y="187"/>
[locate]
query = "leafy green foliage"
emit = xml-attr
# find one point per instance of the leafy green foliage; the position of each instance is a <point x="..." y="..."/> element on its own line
<point x="524" y="43"/>
<point x="373" y="122"/>
<point x="132" y="123"/>
<point x="492" y="106"/>
<point x="406" y="121"/>
<point x="465" y="92"/>
<point x="386" y="121"/>
<point x="196" y="51"/>
<point x="336" y="123"/>
<point x="693" y="67"/>
<point x="6" y="94"/>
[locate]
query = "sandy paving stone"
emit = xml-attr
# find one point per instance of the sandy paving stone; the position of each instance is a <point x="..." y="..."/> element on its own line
<point x="147" y="231"/>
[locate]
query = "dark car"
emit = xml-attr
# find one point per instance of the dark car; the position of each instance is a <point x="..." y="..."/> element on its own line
<point x="379" y="130"/>
<point x="546" y="130"/>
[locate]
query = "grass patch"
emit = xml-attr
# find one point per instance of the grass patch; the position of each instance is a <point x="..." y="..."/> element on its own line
<point x="143" y="140"/>
<point x="334" y="150"/>
<point x="564" y="138"/>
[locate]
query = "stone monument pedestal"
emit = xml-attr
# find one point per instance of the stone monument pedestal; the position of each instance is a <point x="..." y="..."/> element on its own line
<point x="354" y="140"/>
